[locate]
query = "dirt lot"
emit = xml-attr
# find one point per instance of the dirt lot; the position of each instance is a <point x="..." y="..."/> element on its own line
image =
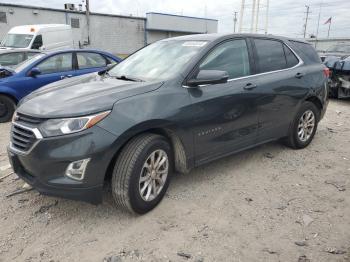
<point x="266" y="204"/>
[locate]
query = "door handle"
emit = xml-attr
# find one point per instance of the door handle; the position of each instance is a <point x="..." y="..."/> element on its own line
<point x="299" y="75"/>
<point x="249" y="86"/>
<point x="66" y="76"/>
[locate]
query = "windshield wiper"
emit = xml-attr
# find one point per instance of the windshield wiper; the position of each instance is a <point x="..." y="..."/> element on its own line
<point x="129" y="78"/>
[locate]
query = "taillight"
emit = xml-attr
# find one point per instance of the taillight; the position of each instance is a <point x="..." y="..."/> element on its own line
<point x="326" y="72"/>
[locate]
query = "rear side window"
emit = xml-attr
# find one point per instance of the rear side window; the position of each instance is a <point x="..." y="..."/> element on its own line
<point x="292" y="60"/>
<point x="90" y="60"/>
<point x="56" y="63"/>
<point x="270" y="55"/>
<point x="231" y="56"/>
<point x="308" y="50"/>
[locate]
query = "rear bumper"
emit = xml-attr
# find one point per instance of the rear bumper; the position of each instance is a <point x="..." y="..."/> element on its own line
<point x="45" y="165"/>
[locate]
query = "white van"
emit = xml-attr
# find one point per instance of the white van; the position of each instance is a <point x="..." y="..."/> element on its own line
<point x="42" y="37"/>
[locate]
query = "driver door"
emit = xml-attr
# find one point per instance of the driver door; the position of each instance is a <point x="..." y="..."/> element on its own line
<point x="54" y="68"/>
<point x="225" y="115"/>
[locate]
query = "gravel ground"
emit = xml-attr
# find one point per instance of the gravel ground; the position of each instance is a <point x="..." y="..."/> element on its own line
<point x="270" y="203"/>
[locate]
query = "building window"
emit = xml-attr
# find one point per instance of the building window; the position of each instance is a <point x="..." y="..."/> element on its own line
<point x="3" y="17"/>
<point x="74" y="22"/>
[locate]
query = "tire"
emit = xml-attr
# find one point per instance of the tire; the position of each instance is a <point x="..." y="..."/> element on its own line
<point x="294" y="140"/>
<point x="333" y="92"/>
<point x="7" y="108"/>
<point x="130" y="167"/>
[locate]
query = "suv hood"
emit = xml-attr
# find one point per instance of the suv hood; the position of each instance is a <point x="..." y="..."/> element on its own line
<point x="82" y="95"/>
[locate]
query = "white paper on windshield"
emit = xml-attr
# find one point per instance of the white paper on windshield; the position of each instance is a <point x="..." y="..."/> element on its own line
<point x="194" y="43"/>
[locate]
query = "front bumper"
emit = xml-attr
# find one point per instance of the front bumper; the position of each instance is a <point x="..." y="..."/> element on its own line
<point x="44" y="166"/>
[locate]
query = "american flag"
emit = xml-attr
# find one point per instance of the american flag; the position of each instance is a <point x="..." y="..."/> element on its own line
<point x="328" y="21"/>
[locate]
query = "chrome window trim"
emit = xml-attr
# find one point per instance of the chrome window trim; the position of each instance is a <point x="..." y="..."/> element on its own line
<point x="301" y="62"/>
<point x="36" y="133"/>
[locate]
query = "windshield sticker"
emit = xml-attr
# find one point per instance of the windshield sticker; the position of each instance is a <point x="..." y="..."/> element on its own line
<point x="194" y="43"/>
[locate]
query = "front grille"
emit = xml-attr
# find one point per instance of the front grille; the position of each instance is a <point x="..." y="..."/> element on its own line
<point x="22" y="138"/>
<point x="25" y="133"/>
<point x="24" y="119"/>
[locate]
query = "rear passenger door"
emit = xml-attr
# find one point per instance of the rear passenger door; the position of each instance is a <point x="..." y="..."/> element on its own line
<point x="281" y="86"/>
<point x="225" y="115"/>
<point x="88" y="62"/>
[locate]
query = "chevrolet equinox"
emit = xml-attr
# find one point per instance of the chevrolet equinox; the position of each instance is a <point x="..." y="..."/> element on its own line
<point x="171" y="106"/>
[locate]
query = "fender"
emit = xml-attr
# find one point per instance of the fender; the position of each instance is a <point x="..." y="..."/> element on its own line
<point x="5" y="90"/>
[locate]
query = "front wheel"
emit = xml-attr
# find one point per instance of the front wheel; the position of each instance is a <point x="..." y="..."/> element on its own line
<point x="304" y="126"/>
<point x="142" y="173"/>
<point x="7" y="108"/>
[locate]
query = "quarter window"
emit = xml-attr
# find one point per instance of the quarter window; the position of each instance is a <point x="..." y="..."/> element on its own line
<point x="270" y="55"/>
<point x="292" y="60"/>
<point x="308" y="50"/>
<point x="90" y="60"/>
<point x="57" y="63"/>
<point x="231" y="56"/>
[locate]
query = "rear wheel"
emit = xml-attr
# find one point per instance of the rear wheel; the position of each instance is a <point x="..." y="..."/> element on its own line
<point x="142" y="173"/>
<point x="7" y="108"/>
<point x="304" y="126"/>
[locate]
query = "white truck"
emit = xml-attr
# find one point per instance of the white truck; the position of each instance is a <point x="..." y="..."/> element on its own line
<point x="41" y="36"/>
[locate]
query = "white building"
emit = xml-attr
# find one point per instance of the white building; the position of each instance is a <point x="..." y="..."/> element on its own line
<point x="117" y="34"/>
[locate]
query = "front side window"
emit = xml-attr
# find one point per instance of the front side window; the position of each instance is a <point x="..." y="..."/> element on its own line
<point x="38" y="42"/>
<point x="160" y="60"/>
<point x="11" y="59"/>
<point x="56" y="63"/>
<point x="270" y="55"/>
<point x="90" y="60"/>
<point x="17" y="40"/>
<point x="231" y="56"/>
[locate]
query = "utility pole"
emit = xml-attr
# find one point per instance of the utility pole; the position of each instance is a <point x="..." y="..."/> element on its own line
<point x="306" y="19"/>
<point x="267" y="16"/>
<point x="318" y="24"/>
<point x="257" y="17"/>
<point x="87" y="6"/>
<point x="241" y="16"/>
<point x="253" y="16"/>
<point x="234" y="22"/>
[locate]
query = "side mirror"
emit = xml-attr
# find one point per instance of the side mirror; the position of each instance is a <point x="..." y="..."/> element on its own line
<point x="208" y="77"/>
<point x="34" y="72"/>
<point x="106" y="69"/>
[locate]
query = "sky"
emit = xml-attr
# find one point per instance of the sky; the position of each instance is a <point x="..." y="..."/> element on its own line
<point x="286" y="17"/>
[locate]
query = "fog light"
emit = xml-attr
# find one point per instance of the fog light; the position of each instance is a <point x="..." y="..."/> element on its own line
<point x="76" y="169"/>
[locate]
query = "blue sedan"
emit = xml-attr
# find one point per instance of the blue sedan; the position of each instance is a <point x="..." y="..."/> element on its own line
<point x="44" y="69"/>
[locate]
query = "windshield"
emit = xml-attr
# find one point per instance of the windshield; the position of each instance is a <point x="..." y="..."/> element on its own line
<point x="340" y="48"/>
<point x="17" y="40"/>
<point x="158" y="61"/>
<point x="28" y="62"/>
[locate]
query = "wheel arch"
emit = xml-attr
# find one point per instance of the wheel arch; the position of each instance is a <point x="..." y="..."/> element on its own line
<point x="180" y="154"/>
<point x="316" y="101"/>
<point x="9" y="95"/>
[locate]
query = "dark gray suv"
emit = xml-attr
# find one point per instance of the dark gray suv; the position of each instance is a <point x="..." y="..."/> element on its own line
<point x="172" y="106"/>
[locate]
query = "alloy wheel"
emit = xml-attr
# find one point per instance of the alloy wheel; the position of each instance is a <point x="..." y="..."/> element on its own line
<point x="306" y="125"/>
<point x="153" y="175"/>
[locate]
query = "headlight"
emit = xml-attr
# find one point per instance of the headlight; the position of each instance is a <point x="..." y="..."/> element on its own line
<point x="57" y="127"/>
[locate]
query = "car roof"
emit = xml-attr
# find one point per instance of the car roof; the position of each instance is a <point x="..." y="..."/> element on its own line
<point x="79" y="50"/>
<point x="215" y="37"/>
